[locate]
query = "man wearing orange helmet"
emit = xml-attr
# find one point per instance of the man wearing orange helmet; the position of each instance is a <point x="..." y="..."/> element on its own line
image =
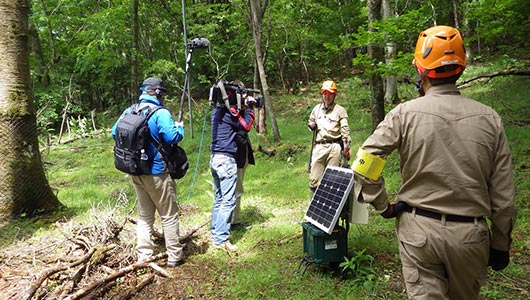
<point x="456" y="171"/>
<point x="331" y="134"/>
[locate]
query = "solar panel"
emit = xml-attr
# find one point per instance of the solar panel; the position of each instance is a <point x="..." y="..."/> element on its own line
<point x="329" y="198"/>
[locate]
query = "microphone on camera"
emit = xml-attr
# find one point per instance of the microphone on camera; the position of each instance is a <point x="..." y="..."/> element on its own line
<point x="199" y="42"/>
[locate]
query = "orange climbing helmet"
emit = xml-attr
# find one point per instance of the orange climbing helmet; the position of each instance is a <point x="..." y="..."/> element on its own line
<point x="437" y="47"/>
<point x="330" y="86"/>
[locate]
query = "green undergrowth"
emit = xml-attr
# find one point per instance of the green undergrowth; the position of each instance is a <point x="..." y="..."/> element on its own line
<point x="276" y="197"/>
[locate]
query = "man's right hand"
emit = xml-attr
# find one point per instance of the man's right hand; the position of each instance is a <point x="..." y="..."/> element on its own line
<point x="312" y="126"/>
<point x="498" y="260"/>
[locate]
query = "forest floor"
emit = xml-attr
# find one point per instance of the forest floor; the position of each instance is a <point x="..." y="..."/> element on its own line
<point x="77" y="256"/>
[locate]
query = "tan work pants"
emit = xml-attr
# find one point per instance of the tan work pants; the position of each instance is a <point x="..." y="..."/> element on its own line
<point x="323" y="155"/>
<point x="157" y="193"/>
<point x="442" y="260"/>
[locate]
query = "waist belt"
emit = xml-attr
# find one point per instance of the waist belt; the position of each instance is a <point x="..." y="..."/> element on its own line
<point x="438" y="216"/>
<point x="329" y="142"/>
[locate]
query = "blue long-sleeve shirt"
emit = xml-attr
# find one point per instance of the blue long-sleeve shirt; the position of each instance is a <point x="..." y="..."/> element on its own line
<point x="161" y="126"/>
<point x="225" y="127"/>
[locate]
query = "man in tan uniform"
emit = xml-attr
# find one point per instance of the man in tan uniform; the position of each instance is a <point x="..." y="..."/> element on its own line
<point x="456" y="170"/>
<point x="329" y="123"/>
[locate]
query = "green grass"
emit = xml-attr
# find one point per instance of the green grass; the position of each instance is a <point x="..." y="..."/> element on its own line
<point x="276" y="197"/>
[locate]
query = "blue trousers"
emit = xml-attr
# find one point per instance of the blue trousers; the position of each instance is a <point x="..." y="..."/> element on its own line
<point x="224" y="173"/>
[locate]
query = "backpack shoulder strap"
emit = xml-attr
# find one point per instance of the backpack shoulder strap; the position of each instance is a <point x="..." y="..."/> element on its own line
<point x="151" y="112"/>
<point x="150" y="108"/>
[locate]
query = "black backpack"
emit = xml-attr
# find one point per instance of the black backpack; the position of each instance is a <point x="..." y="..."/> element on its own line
<point x="133" y="136"/>
<point x="175" y="158"/>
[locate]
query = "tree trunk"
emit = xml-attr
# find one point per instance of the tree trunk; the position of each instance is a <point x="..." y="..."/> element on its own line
<point x="23" y="187"/>
<point x="391" y="93"/>
<point x="376" y="55"/>
<point x="257" y="11"/>
<point x="260" y="124"/>
<point x="454" y="6"/>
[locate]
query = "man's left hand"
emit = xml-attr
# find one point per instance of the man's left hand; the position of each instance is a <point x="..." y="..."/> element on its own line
<point x="394" y="209"/>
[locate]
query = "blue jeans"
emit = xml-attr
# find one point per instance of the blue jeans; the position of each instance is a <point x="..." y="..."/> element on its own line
<point x="224" y="172"/>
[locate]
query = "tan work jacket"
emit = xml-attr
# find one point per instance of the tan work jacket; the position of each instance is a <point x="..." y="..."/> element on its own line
<point x="332" y="124"/>
<point x="454" y="159"/>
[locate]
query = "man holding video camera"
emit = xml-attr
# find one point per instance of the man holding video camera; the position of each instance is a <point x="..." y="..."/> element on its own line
<point x="232" y="114"/>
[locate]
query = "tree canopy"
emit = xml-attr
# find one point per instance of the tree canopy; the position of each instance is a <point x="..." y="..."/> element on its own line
<point x="82" y="52"/>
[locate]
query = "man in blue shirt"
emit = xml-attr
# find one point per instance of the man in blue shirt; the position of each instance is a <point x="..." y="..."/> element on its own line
<point x="226" y="122"/>
<point x="156" y="191"/>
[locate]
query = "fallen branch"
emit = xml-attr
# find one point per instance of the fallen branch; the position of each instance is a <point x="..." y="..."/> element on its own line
<point x="48" y="272"/>
<point x="496" y="74"/>
<point x="289" y="238"/>
<point x="188" y="235"/>
<point x="183" y="238"/>
<point x="158" y="269"/>
<point x="156" y="234"/>
<point x="139" y="286"/>
<point x="119" y="273"/>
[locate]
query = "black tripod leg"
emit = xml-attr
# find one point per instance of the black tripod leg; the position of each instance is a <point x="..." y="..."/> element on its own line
<point x="307" y="263"/>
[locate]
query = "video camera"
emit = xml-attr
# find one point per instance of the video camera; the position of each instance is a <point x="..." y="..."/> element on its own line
<point x="236" y="94"/>
<point x="199" y="42"/>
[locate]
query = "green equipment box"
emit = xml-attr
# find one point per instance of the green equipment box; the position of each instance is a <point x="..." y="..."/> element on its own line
<point x="321" y="247"/>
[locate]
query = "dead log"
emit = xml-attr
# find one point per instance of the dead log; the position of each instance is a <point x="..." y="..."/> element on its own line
<point x="48" y="272"/>
<point x="496" y="74"/>
<point x="112" y="277"/>
<point x="269" y="152"/>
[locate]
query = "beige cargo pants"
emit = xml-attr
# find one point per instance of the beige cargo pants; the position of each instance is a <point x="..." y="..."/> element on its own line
<point x="156" y="193"/>
<point x="442" y="260"/>
<point x="323" y="155"/>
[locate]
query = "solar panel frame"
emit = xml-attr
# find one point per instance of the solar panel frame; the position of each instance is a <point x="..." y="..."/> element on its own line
<point x="329" y="198"/>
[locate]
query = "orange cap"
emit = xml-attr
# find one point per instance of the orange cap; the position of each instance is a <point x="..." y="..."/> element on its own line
<point x="330" y="86"/>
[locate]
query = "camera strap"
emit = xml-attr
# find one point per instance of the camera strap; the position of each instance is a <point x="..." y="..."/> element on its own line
<point x="221" y="87"/>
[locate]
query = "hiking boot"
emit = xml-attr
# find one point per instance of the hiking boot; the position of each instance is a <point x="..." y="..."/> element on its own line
<point x="174" y="264"/>
<point x="225" y="246"/>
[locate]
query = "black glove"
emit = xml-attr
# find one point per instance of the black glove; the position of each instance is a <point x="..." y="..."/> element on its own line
<point x="394" y="209"/>
<point x="312" y="126"/>
<point x="499" y="260"/>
